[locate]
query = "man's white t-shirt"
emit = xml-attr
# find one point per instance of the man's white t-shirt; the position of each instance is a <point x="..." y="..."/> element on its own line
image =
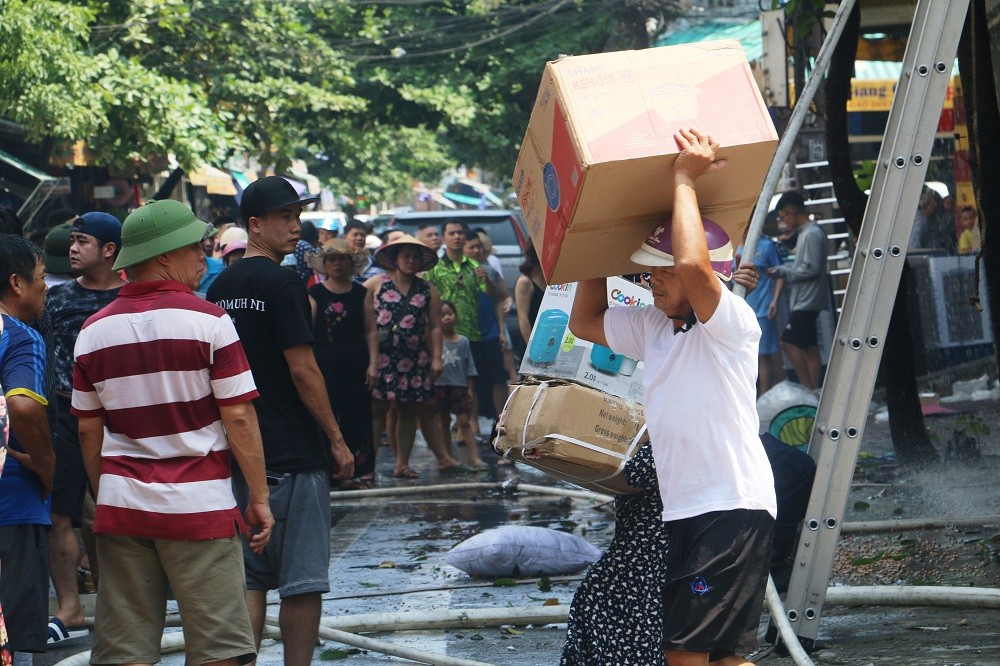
<point x="700" y="400"/>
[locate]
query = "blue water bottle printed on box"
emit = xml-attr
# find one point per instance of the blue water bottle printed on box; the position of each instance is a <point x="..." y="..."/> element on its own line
<point x="549" y="331"/>
<point x="605" y="359"/>
<point x="554" y="352"/>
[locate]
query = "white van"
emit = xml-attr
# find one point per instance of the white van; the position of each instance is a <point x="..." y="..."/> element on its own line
<point x="331" y="220"/>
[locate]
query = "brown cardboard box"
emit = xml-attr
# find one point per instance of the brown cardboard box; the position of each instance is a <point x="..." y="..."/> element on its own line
<point x="573" y="432"/>
<point x="594" y="173"/>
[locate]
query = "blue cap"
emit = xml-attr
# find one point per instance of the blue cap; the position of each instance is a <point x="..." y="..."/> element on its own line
<point x="102" y="226"/>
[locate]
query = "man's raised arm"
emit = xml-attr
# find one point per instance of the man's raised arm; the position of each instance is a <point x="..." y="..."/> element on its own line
<point x="591" y="302"/>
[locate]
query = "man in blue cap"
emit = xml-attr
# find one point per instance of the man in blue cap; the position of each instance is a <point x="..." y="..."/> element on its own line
<point x="95" y="240"/>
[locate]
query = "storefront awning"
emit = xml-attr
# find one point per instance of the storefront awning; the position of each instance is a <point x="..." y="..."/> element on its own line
<point x="423" y="195"/>
<point x="747" y="32"/>
<point x="215" y="181"/>
<point x="313" y="186"/>
<point x="32" y="195"/>
<point x="24" y="167"/>
<point x="463" y="199"/>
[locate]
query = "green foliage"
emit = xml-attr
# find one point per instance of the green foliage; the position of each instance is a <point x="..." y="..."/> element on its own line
<point x="333" y="654"/>
<point x="804" y="14"/>
<point x="972" y="424"/>
<point x="45" y="77"/>
<point x="372" y="95"/>
<point x="146" y="113"/>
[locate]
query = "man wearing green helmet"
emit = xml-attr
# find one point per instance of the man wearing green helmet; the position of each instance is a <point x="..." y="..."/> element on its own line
<point x="163" y="393"/>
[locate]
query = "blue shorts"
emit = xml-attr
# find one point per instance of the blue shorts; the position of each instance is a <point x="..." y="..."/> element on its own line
<point x="768" y="336"/>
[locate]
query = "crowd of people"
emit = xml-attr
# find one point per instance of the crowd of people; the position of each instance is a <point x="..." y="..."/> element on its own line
<point x="186" y="393"/>
<point x="210" y="382"/>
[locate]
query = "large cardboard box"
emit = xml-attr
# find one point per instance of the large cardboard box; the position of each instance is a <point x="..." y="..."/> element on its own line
<point x="573" y="432"/>
<point x="594" y="173"/>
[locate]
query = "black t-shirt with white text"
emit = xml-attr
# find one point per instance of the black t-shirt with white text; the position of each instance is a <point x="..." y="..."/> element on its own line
<point x="270" y="308"/>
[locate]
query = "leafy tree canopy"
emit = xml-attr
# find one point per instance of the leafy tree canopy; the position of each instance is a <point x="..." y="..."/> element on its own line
<point x="372" y="94"/>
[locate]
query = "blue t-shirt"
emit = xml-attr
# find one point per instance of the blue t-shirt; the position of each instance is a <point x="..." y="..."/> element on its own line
<point x="488" y="329"/>
<point x="213" y="267"/>
<point x="766" y="257"/>
<point x="22" y="372"/>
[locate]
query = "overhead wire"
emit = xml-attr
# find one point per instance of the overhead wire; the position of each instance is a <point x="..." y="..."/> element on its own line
<point x="485" y="26"/>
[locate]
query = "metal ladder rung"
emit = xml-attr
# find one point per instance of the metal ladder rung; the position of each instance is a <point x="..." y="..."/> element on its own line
<point x="840" y="271"/>
<point x="832" y="220"/>
<point x="812" y="165"/>
<point x="818" y="202"/>
<point x="816" y="186"/>
<point x="838" y="236"/>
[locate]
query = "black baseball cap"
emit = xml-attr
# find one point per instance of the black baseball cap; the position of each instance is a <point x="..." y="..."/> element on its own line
<point x="267" y="194"/>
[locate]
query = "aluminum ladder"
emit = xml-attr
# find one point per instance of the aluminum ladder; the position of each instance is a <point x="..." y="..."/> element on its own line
<point x="871" y="291"/>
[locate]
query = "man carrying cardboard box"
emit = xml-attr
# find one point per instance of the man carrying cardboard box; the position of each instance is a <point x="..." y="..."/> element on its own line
<point x="699" y="344"/>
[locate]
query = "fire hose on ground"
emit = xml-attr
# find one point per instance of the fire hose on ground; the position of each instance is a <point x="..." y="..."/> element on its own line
<point x="342" y="629"/>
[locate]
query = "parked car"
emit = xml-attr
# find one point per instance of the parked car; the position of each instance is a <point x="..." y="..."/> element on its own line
<point x="331" y="220"/>
<point x="507" y="232"/>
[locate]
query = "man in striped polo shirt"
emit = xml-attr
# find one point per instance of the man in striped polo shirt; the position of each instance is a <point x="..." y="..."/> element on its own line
<point x="163" y="393"/>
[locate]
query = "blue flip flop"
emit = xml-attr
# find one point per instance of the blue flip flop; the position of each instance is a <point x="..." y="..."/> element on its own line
<point x="59" y="633"/>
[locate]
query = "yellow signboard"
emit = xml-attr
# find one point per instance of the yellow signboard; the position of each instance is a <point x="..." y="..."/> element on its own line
<point x="871" y="95"/>
<point x="877" y="95"/>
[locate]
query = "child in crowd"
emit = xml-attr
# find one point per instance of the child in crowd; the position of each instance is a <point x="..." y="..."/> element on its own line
<point x="453" y="389"/>
<point x="968" y="233"/>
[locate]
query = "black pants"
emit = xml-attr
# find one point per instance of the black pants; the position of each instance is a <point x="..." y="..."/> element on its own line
<point x="352" y="406"/>
<point x="24" y="585"/>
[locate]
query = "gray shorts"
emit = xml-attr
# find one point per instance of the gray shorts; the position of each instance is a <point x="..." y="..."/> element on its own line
<point x="297" y="558"/>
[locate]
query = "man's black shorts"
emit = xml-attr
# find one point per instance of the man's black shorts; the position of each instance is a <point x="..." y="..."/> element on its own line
<point x="717" y="567"/>
<point x="24" y="585"/>
<point x="801" y="329"/>
<point x="69" y="484"/>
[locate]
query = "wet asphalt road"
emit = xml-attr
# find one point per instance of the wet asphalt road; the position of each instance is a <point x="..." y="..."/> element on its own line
<point x="386" y="552"/>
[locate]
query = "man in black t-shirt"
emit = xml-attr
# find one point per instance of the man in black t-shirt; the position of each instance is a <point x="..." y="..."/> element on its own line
<point x="270" y="308"/>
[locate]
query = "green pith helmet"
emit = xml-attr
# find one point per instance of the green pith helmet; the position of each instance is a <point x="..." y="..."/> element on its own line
<point x="157" y="228"/>
<point x="56" y="253"/>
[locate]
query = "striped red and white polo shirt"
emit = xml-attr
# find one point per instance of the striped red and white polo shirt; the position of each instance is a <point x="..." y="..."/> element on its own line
<point x="157" y="363"/>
